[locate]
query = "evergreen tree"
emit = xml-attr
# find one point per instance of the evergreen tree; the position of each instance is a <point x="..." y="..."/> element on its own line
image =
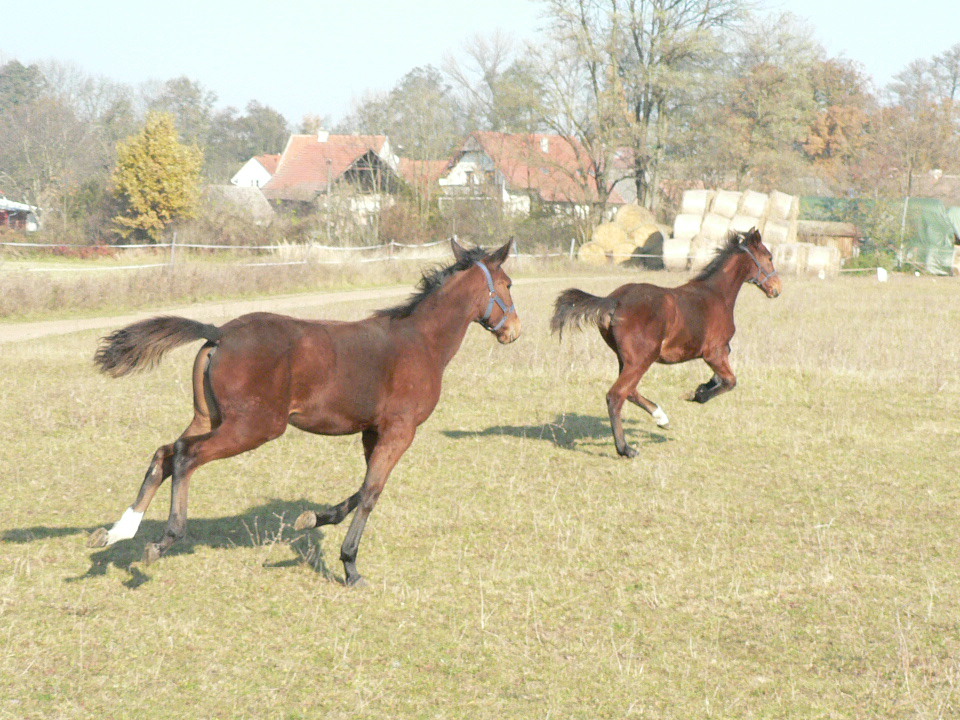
<point x="157" y="178"/>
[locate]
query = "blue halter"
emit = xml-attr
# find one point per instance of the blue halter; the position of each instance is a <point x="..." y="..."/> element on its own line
<point x="494" y="299"/>
<point x="762" y="275"/>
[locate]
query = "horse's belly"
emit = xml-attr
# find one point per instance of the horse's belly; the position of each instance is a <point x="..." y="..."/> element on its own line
<point x="327" y="423"/>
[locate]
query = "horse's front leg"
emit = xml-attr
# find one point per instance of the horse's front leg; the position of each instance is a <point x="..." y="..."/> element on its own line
<point x="723" y="379"/>
<point x="385" y="449"/>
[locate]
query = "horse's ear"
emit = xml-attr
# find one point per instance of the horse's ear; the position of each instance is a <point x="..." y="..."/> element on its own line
<point x="753" y="235"/>
<point x="458" y="250"/>
<point x="497" y="257"/>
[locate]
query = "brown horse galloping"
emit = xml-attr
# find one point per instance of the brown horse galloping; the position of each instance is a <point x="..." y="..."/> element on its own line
<point x="259" y="373"/>
<point x="646" y="323"/>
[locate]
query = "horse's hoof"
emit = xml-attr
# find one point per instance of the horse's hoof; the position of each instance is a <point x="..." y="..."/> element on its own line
<point x="357" y="581"/>
<point x="308" y="519"/>
<point x="151" y="553"/>
<point x="98" y="538"/>
<point x="628" y="452"/>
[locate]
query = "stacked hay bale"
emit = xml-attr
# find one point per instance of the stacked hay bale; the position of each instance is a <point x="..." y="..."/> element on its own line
<point x="823" y="260"/>
<point x="643" y="234"/>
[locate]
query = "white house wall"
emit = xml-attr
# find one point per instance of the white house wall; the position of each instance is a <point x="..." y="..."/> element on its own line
<point x="252" y="174"/>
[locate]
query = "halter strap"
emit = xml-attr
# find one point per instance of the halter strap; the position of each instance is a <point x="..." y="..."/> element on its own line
<point x="762" y="275"/>
<point x="494" y="299"/>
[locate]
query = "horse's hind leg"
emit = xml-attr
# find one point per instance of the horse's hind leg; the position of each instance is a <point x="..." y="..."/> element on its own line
<point x="625" y="388"/>
<point x="189" y="453"/>
<point x="205" y="415"/>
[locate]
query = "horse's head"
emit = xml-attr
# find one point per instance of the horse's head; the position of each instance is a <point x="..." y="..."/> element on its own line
<point x="766" y="277"/>
<point x="498" y="313"/>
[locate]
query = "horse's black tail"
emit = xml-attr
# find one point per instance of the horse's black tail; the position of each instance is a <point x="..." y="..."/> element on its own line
<point x="575" y="307"/>
<point x="141" y="345"/>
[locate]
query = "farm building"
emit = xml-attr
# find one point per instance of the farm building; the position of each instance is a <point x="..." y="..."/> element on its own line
<point x="356" y="173"/>
<point x="17" y="215"/>
<point x="256" y="172"/>
<point x="522" y="172"/>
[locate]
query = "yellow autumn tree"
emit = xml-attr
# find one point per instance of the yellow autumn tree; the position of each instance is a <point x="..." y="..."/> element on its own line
<point x="157" y="178"/>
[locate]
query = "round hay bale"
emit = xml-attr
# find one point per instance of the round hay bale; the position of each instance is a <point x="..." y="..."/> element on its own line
<point x="753" y="204"/>
<point x="592" y="254"/>
<point x="726" y="203"/>
<point x="791" y="258"/>
<point x="715" y="227"/>
<point x="630" y="217"/>
<point x="823" y="259"/>
<point x="686" y="226"/>
<point x="640" y="235"/>
<point x="623" y="253"/>
<point x="745" y="223"/>
<point x="780" y="205"/>
<point x="609" y="235"/>
<point x="775" y="232"/>
<point x="696" y="202"/>
<point x="676" y="252"/>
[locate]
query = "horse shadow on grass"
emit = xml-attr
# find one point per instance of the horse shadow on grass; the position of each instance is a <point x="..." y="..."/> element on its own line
<point x="570" y="431"/>
<point x="260" y="526"/>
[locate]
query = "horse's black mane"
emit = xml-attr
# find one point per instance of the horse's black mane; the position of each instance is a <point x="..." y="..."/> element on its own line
<point x="723" y="254"/>
<point x="432" y="280"/>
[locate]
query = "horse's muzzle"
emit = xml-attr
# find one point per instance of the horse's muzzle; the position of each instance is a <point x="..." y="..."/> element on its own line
<point x="509" y="332"/>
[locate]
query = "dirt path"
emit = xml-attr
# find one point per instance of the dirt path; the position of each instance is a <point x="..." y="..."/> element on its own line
<point x="219" y="311"/>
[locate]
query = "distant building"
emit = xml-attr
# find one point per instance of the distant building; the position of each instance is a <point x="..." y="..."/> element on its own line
<point x="354" y="172"/>
<point x="256" y="172"/>
<point x="523" y="172"/>
<point x="17" y="215"/>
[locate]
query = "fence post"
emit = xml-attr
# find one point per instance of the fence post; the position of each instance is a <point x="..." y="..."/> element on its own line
<point x="173" y="248"/>
<point x="573" y="241"/>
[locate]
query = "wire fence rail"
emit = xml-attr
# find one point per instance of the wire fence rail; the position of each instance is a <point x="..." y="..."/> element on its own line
<point x="391" y="251"/>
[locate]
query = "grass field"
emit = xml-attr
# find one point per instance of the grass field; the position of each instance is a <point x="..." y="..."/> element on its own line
<point x="789" y="550"/>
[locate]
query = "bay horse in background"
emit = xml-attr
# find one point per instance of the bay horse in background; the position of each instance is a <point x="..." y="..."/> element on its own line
<point x="255" y="375"/>
<point x="644" y="323"/>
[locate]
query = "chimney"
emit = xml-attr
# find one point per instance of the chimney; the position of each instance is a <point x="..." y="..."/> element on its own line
<point x="323" y="136"/>
<point x="544" y="144"/>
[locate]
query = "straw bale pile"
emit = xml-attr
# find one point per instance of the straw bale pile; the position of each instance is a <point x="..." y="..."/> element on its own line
<point x="609" y="235"/>
<point x="592" y="253"/>
<point x="753" y="204"/>
<point x="745" y="223"/>
<point x="726" y="203"/>
<point x="623" y="253"/>
<point x="640" y="235"/>
<point x="696" y="202"/>
<point x="791" y="258"/>
<point x="823" y="260"/>
<point x="685" y="226"/>
<point x="715" y="227"/>
<point x="631" y="217"/>
<point x="676" y="254"/>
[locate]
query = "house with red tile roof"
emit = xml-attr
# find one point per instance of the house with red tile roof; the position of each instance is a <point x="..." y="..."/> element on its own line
<point x="523" y="171"/>
<point x="314" y="166"/>
<point x="256" y="172"/>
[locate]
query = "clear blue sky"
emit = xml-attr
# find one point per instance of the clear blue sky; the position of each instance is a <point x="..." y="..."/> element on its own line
<point x="317" y="57"/>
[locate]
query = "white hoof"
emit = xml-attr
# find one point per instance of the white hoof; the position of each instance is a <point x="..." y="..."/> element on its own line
<point x="660" y="417"/>
<point x="126" y="527"/>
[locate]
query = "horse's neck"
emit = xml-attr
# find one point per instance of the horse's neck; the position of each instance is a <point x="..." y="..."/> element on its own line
<point x="443" y="318"/>
<point x="728" y="280"/>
